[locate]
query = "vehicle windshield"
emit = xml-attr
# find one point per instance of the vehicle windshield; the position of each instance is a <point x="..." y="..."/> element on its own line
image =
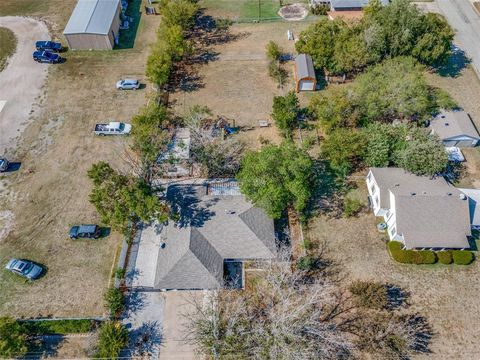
<point x="26" y="269"/>
<point x="121" y="127"/>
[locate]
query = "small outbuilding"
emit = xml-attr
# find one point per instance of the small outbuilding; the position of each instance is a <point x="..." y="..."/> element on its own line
<point x="94" y="24"/>
<point x="304" y="73"/>
<point x="455" y="128"/>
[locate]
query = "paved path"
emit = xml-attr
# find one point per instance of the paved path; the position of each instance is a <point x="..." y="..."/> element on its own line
<point x="466" y="22"/>
<point x="144" y="320"/>
<point x="22" y="80"/>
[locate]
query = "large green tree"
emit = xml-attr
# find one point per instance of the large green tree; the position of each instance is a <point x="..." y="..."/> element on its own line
<point x="13" y="341"/>
<point x="402" y="29"/>
<point x="285" y="111"/>
<point x="344" y="148"/>
<point x="122" y="198"/>
<point x="277" y="177"/>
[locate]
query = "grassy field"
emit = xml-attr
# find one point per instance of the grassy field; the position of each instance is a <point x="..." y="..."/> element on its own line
<point x="8" y="43"/>
<point x="245" y="9"/>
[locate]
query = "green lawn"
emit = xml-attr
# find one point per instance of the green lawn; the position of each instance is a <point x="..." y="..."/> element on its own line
<point x="8" y="44"/>
<point x="63" y="327"/>
<point x="245" y="9"/>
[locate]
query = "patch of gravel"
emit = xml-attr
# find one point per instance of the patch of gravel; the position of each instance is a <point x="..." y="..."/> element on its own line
<point x="293" y="12"/>
<point x="7" y="222"/>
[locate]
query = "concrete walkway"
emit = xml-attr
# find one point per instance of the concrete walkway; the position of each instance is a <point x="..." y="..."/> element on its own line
<point x="22" y="80"/>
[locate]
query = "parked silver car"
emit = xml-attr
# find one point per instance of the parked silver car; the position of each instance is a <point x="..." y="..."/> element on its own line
<point x="128" y="84"/>
<point x="25" y="268"/>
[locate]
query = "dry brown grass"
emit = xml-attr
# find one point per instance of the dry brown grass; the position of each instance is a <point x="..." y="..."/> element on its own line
<point x="447" y="295"/>
<point x="50" y="192"/>
<point x="236" y="84"/>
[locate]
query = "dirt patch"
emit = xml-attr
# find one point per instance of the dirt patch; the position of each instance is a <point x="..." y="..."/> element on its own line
<point x="446" y="295"/>
<point x="7" y="221"/>
<point x="293" y="12"/>
<point x="21" y="80"/>
<point x="8" y="44"/>
<point x="234" y="82"/>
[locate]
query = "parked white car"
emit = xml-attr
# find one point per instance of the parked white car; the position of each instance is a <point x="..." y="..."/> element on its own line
<point x="128" y="84"/>
<point x="113" y="128"/>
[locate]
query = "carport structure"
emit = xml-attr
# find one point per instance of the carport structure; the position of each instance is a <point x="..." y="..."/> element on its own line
<point x="304" y="73"/>
<point x="94" y="24"/>
<point x="455" y="128"/>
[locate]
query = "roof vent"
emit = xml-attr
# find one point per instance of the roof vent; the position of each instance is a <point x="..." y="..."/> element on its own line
<point x="396" y="185"/>
<point x="424" y="193"/>
<point x="449" y="194"/>
<point x="447" y="124"/>
<point x="162" y="245"/>
<point x="442" y="116"/>
<point x="413" y="194"/>
<point x="463" y="196"/>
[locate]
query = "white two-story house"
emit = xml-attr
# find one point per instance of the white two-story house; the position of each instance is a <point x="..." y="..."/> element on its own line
<point x="421" y="212"/>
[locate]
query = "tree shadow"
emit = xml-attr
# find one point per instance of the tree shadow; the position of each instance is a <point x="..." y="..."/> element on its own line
<point x="422" y="332"/>
<point x="455" y="63"/>
<point x="128" y="36"/>
<point x="205" y="34"/>
<point x="134" y="302"/>
<point x="44" y="347"/>
<point x="185" y="202"/>
<point x="396" y="297"/>
<point x="147" y="339"/>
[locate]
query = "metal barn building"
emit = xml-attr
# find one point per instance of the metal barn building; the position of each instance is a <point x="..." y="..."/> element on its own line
<point x="304" y="73"/>
<point x="94" y="24"/>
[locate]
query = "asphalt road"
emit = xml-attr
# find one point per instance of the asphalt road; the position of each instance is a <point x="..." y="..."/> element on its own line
<point x="22" y="80"/>
<point x="466" y="22"/>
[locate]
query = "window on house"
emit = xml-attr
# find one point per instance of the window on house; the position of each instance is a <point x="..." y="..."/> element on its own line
<point x="373" y="189"/>
<point x="393" y="231"/>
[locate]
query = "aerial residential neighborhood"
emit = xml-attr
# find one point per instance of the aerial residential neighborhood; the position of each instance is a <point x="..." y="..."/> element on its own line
<point x="239" y="179"/>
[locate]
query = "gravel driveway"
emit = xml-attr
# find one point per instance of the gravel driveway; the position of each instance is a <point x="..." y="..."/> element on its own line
<point x="22" y="80"/>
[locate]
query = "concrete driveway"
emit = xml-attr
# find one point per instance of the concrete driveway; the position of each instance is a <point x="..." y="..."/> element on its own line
<point x="466" y="22"/>
<point x="174" y="346"/>
<point x="22" y="80"/>
<point x="144" y="319"/>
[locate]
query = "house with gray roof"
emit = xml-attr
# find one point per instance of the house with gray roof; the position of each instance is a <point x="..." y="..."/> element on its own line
<point x="455" y="128"/>
<point x="215" y="230"/>
<point x="94" y="24"/>
<point x="351" y="5"/>
<point x="420" y="212"/>
<point x="304" y="73"/>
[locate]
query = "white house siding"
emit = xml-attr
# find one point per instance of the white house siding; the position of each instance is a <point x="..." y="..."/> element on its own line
<point x="374" y="192"/>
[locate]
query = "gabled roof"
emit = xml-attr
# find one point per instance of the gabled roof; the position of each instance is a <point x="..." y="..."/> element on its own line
<point x="211" y="229"/>
<point x="92" y="17"/>
<point x="429" y="211"/>
<point x="304" y="67"/>
<point x="450" y="124"/>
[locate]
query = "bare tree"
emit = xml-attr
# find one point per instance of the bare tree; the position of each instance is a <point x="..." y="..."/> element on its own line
<point x="282" y="317"/>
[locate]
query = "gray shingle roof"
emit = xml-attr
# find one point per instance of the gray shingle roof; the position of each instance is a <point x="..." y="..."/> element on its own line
<point x="211" y="229"/>
<point x="92" y="17"/>
<point x="353" y="3"/>
<point x="429" y="212"/>
<point x="449" y="124"/>
<point x="304" y="66"/>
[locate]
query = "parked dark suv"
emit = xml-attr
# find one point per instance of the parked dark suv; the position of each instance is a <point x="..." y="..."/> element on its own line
<point x="85" y="231"/>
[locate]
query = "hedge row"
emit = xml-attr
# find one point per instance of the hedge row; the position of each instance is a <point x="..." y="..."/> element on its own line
<point x="459" y="257"/>
<point x="62" y="327"/>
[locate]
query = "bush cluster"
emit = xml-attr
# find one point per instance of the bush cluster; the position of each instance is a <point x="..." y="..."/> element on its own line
<point x="369" y="294"/>
<point x="114" y="301"/>
<point x="177" y="17"/>
<point x="352" y="207"/>
<point x="459" y="257"/>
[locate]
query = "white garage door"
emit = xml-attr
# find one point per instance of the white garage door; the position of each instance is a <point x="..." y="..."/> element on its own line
<point x="306" y="85"/>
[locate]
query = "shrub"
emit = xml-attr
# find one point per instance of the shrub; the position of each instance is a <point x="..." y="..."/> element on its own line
<point x="351" y="207"/>
<point x="445" y="257"/>
<point x="273" y="50"/>
<point x="113" y="337"/>
<point x="369" y="294"/>
<point x="13" y="339"/>
<point x="306" y="263"/>
<point x="114" y="301"/>
<point x="119" y="273"/>
<point x="462" y="257"/>
<point x="47" y="327"/>
<point x="411" y="256"/>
